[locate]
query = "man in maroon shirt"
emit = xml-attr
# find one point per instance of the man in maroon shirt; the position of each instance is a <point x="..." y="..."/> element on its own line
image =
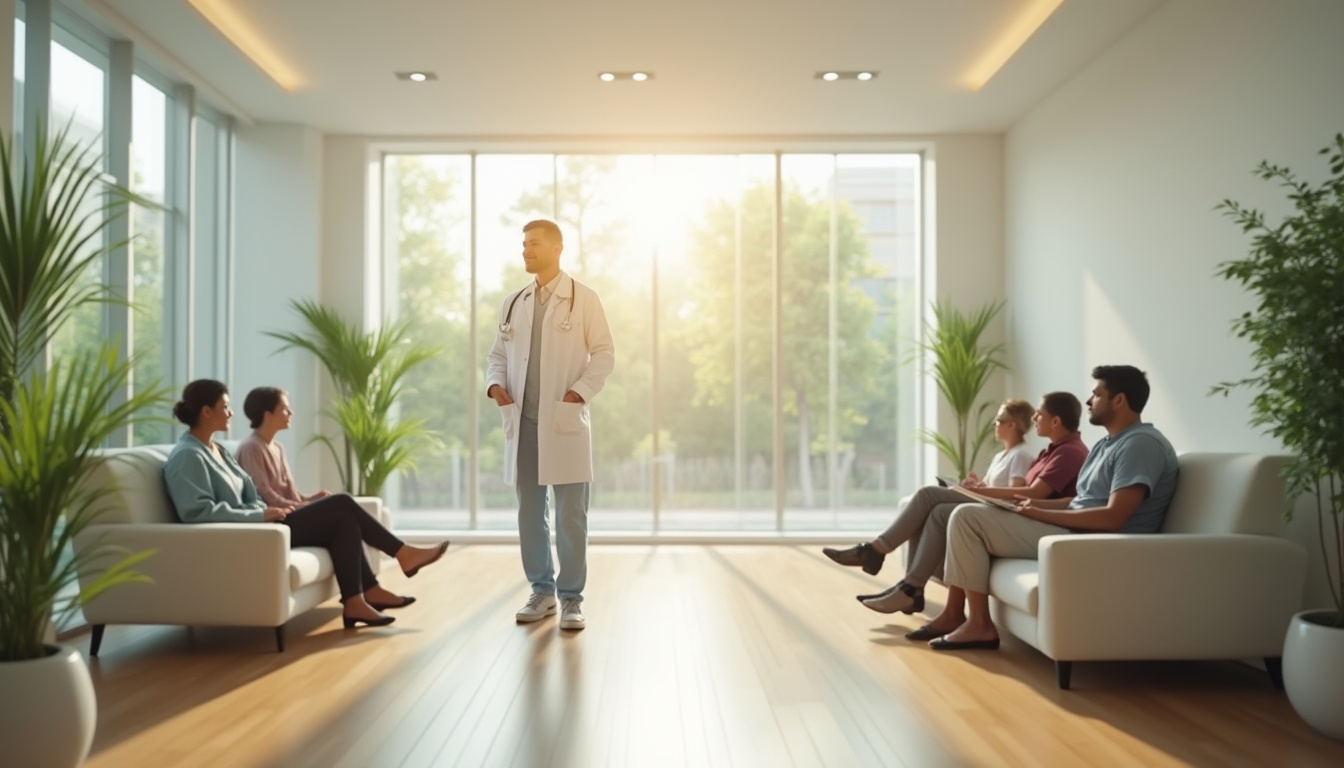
<point x="1053" y="475"/>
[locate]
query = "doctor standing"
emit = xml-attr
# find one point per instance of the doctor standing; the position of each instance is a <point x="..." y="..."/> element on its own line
<point x="551" y="357"/>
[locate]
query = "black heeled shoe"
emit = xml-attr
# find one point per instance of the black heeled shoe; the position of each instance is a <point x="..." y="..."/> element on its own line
<point x="443" y="547"/>
<point x="405" y="601"/>
<point x="353" y="621"/>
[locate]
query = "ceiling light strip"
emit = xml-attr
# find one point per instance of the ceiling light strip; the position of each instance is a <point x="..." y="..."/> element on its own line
<point x="1007" y="44"/>
<point x="240" y="31"/>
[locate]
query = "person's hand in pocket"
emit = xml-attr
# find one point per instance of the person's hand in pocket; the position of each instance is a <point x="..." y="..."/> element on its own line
<point x="499" y="395"/>
<point x="572" y="397"/>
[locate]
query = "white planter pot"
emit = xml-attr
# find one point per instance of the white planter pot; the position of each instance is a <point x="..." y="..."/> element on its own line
<point x="48" y="711"/>
<point x="1313" y="673"/>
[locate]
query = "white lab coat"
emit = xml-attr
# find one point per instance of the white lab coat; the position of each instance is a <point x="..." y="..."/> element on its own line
<point x="579" y="359"/>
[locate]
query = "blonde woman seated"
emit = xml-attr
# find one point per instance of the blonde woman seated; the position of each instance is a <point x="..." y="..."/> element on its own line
<point x="1013" y="472"/>
<point x="207" y="485"/>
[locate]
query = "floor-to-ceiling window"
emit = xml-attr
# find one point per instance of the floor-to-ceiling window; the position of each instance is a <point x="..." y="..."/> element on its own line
<point x="749" y="394"/>
<point x="149" y="157"/>
<point x="78" y="106"/>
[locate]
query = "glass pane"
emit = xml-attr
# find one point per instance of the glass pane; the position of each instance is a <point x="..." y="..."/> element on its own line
<point x="429" y="220"/>
<point x="148" y="177"/>
<point x="77" y="98"/>
<point x="20" y="62"/>
<point x="604" y="205"/>
<point x="715" y="343"/>
<point x="844" y="275"/>
<point x="212" y="279"/>
<point x="511" y="190"/>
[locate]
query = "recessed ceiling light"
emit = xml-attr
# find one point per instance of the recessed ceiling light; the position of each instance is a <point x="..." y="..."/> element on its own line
<point x="638" y="77"/>
<point x="831" y="75"/>
<point x="416" y="76"/>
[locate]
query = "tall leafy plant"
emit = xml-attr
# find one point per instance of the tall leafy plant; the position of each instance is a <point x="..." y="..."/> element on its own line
<point x="368" y="370"/>
<point x="1295" y="269"/>
<point x="961" y="367"/>
<point x="54" y="212"/>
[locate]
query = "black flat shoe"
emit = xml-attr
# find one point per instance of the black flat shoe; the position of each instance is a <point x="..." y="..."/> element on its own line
<point x="924" y="633"/>
<point x="443" y="547"/>
<point x="353" y="621"/>
<point x="943" y="644"/>
<point x="405" y="601"/>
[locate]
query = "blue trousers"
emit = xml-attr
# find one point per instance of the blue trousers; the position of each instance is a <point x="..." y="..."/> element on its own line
<point x="534" y="532"/>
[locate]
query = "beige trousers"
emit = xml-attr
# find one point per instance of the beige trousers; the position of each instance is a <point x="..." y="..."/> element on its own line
<point x="978" y="532"/>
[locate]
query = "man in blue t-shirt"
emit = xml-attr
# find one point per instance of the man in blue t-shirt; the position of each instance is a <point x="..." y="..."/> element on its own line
<point x="1124" y="486"/>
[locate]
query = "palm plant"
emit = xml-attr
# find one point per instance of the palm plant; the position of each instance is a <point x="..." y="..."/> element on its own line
<point x="368" y="371"/>
<point x="962" y="367"/>
<point x="56" y="423"/>
<point x="53" y="419"/>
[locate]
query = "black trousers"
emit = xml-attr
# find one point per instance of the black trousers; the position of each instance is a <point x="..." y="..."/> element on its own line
<point x="339" y="525"/>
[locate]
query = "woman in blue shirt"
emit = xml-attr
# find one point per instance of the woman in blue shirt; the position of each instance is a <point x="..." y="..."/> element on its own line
<point x="206" y="484"/>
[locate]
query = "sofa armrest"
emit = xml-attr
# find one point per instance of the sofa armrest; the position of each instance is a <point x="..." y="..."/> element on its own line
<point x="206" y="574"/>
<point x="1167" y="596"/>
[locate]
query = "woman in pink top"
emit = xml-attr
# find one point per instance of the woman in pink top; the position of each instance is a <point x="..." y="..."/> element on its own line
<point x="263" y="458"/>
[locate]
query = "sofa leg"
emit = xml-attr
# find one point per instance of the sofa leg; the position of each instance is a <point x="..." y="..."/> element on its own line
<point x="1274" y="666"/>
<point x="97" y="641"/>
<point x="280" y="639"/>
<point x="1063" y="671"/>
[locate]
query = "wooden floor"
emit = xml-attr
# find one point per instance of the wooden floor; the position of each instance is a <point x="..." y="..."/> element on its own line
<point x="694" y="656"/>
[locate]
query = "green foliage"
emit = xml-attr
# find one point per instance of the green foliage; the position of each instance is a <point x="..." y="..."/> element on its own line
<point x="58" y="420"/>
<point x="368" y="370"/>
<point x="1296" y="271"/>
<point x="961" y="367"/>
<point x="52" y="421"/>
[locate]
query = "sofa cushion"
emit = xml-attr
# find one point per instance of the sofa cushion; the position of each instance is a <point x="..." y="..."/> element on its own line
<point x="1015" y="582"/>
<point x="1228" y="493"/>
<point x="133" y="479"/>
<point x="307" y="565"/>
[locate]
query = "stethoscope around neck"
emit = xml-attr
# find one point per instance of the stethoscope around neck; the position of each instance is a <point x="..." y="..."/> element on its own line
<point x="506" y="327"/>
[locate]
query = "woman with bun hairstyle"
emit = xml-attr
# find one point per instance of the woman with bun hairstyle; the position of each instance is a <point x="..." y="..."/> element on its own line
<point x="207" y="485"/>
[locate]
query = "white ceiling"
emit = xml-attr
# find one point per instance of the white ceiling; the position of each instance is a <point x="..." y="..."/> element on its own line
<point x="722" y="67"/>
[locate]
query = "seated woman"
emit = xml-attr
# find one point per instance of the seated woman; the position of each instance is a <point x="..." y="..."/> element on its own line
<point x="923" y="520"/>
<point x="207" y="485"/>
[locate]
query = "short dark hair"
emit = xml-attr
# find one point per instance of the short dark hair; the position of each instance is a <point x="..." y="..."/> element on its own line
<point x="195" y="396"/>
<point x="1124" y="380"/>
<point x="1065" y="405"/>
<point x="547" y="226"/>
<point x="260" y="402"/>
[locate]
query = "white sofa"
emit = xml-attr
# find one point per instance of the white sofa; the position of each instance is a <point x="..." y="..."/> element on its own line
<point x="1219" y="581"/>
<point x="205" y="574"/>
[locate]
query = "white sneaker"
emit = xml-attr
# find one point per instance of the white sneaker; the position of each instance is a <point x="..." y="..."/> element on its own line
<point x="538" y="607"/>
<point x="571" y="615"/>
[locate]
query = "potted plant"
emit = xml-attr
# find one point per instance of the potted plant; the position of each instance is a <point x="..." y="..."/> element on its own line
<point x="53" y="420"/>
<point x="961" y="368"/>
<point x="368" y="371"/>
<point x="1295" y="269"/>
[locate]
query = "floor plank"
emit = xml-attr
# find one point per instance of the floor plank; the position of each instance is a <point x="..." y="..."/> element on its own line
<point x="727" y="655"/>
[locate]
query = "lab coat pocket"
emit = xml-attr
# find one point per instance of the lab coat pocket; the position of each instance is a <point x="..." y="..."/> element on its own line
<point x="510" y="414"/>
<point x="570" y="418"/>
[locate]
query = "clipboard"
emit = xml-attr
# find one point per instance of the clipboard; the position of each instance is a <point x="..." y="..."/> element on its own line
<point x="1000" y="503"/>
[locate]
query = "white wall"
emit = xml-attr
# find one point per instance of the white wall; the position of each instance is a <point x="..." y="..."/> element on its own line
<point x="963" y="256"/>
<point x="1111" y="237"/>
<point x="278" y="253"/>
